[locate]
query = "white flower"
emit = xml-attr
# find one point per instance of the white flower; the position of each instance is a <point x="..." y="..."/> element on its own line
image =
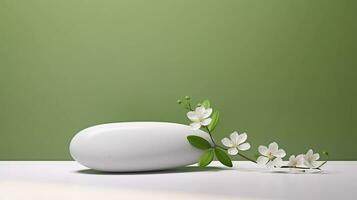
<point x="200" y="117"/>
<point x="296" y="161"/>
<point x="236" y="142"/>
<point x="272" y="156"/>
<point x="311" y="159"/>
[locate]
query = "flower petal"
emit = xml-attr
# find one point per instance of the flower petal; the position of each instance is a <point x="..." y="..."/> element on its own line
<point x="262" y="160"/>
<point x="278" y="162"/>
<point x="279" y="153"/>
<point x="232" y="151"/>
<point x="300" y="156"/>
<point x="227" y="142"/>
<point x="207" y="113"/>
<point x="242" y="138"/>
<point x="292" y="160"/>
<point x="234" y="137"/>
<point x="263" y="150"/>
<point x="308" y="164"/>
<point x="316" y="156"/>
<point x="206" y="122"/>
<point x="195" y="125"/>
<point x="292" y="157"/>
<point x="300" y="160"/>
<point x="314" y="164"/>
<point x="273" y="147"/>
<point x="270" y="164"/>
<point x="309" y="153"/>
<point x="192" y="116"/>
<point x="244" y="146"/>
<point x="199" y="111"/>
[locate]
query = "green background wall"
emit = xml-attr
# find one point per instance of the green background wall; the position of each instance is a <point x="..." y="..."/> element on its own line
<point x="280" y="70"/>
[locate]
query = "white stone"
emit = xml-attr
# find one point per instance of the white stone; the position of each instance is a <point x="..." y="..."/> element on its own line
<point x="135" y="146"/>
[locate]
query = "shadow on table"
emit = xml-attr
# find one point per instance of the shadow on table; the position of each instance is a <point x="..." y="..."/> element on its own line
<point x="299" y="172"/>
<point x="169" y="171"/>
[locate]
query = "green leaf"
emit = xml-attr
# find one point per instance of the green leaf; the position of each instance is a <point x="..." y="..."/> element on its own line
<point x="223" y="157"/>
<point x="214" y="122"/>
<point x="206" y="103"/>
<point x="198" y="142"/>
<point x="206" y="158"/>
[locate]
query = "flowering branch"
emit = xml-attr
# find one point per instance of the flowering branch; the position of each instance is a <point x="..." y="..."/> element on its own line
<point x="203" y="117"/>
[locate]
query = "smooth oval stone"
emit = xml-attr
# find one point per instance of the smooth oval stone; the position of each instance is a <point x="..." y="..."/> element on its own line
<point x="135" y="146"/>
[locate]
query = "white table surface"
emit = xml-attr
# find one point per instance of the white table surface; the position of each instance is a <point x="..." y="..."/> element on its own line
<point x="69" y="180"/>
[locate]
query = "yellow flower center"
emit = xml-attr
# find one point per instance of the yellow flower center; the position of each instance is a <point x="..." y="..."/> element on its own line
<point x="270" y="156"/>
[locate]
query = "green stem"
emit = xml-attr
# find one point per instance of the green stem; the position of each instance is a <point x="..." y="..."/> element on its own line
<point x="247" y="158"/>
<point x="240" y="154"/>
<point x="322" y="164"/>
<point x="189" y="106"/>
<point x="210" y="135"/>
<point x="295" y="167"/>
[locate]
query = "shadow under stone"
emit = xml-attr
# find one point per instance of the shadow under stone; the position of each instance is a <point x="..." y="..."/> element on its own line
<point x="187" y="169"/>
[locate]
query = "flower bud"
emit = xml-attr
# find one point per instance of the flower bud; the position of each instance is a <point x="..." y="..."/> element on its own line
<point x="179" y="101"/>
<point x="187" y="98"/>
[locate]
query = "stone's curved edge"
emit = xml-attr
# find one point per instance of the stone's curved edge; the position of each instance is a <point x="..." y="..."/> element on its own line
<point x="110" y="147"/>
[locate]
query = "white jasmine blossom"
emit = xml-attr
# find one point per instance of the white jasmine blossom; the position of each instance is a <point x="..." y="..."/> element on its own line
<point x="236" y="142"/>
<point x="271" y="156"/>
<point x="310" y="159"/>
<point x="296" y="161"/>
<point x="200" y="117"/>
